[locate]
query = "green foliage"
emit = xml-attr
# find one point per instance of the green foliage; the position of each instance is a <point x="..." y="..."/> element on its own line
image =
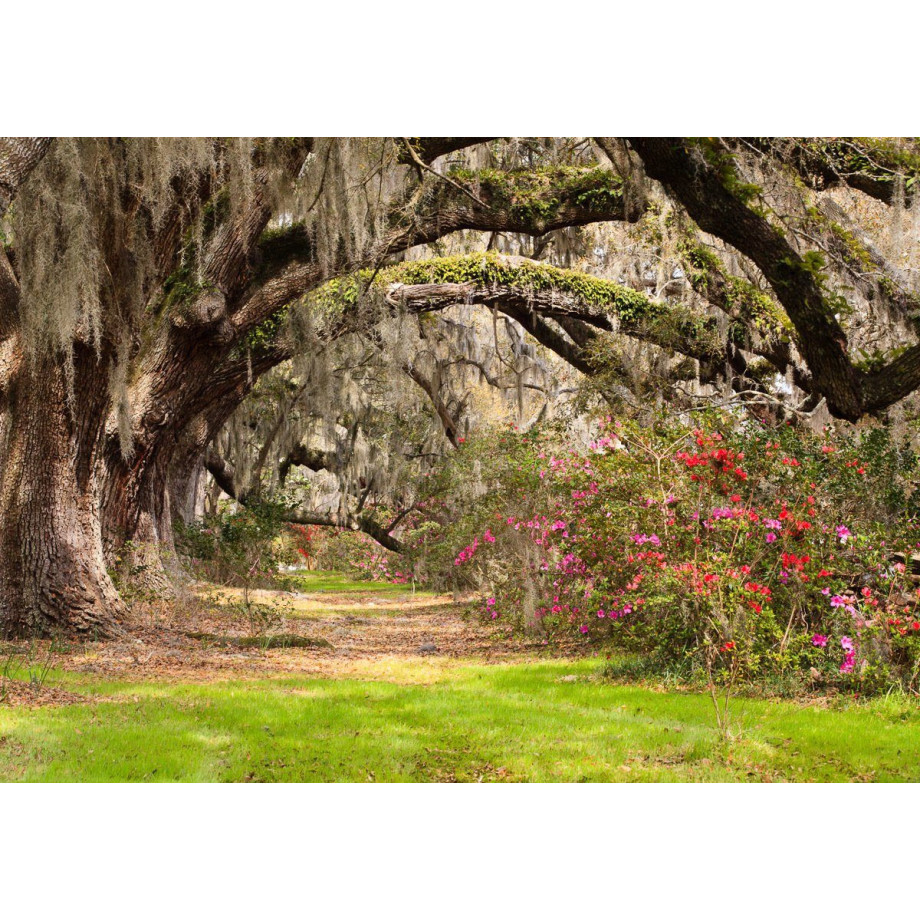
<point x="872" y="361"/>
<point x="855" y="253"/>
<point x="881" y="159"/>
<point x="724" y="163"/>
<point x="814" y="263"/>
<point x="533" y="196"/>
<point x="182" y="287"/>
<point x="240" y="546"/>
<point x="265" y="335"/>
<point x="340" y="295"/>
<point x="237" y="534"/>
<point x="742" y="298"/>
<point x="700" y="262"/>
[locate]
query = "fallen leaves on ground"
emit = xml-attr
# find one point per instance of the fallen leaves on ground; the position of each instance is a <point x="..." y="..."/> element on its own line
<point x="25" y="693"/>
<point x="359" y="634"/>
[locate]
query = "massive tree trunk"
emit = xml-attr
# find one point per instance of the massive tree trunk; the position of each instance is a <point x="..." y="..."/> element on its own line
<point x="53" y="577"/>
<point x="187" y="473"/>
<point x="184" y="408"/>
<point x="137" y="525"/>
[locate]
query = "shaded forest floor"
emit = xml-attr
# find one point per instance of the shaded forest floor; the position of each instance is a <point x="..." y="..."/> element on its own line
<point x="378" y="683"/>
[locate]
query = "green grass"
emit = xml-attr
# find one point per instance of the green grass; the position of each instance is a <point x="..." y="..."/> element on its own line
<point x="340" y="583"/>
<point x="433" y="721"/>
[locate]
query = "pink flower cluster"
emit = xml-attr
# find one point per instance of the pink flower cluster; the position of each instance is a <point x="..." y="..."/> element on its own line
<point x="467" y="552"/>
<point x="849" y="657"/>
<point x="641" y="538"/>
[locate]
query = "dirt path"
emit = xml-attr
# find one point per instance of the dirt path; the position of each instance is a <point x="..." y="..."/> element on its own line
<point x="355" y="634"/>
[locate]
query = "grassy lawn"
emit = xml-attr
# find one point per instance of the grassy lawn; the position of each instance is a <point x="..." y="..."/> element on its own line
<point x="341" y="583"/>
<point x="429" y="719"/>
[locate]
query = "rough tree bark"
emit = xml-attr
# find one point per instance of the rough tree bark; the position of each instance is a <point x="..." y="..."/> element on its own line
<point x="53" y="576"/>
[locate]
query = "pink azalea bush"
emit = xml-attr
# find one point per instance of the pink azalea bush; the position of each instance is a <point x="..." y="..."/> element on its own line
<point x="768" y="550"/>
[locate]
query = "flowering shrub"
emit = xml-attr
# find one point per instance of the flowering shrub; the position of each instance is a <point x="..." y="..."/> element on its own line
<point x="304" y="540"/>
<point x="358" y="555"/>
<point x="739" y="549"/>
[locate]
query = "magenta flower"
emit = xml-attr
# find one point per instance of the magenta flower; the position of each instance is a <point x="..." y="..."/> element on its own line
<point x="641" y="538"/>
<point x="818" y="641"/>
<point x="771" y="537"/>
<point x="846" y="643"/>
<point x="843" y="532"/>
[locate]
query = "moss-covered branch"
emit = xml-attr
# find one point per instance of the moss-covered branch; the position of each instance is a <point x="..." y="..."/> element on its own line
<point x="759" y="324"/>
<point x="881" y="167"/>
<point x="532" y="202"/>
<point x="535" y="287"/>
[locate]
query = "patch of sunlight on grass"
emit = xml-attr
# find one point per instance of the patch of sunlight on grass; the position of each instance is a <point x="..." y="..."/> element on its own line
<point x="431" y="720"/>
<point x="341" y="582"/>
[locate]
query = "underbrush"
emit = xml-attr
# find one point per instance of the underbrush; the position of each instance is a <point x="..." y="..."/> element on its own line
<point x="656" y="670"/>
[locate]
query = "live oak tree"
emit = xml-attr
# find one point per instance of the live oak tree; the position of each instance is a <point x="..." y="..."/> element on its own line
<point x="146" y="285"/>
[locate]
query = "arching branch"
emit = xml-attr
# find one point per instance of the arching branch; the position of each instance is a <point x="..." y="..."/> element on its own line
<point x="702" y="178"/>
<point x="715" y="199"/>
<point x="871" y="165"/>
<point x="366" y="523"/>
<point x="522" y="288"/>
